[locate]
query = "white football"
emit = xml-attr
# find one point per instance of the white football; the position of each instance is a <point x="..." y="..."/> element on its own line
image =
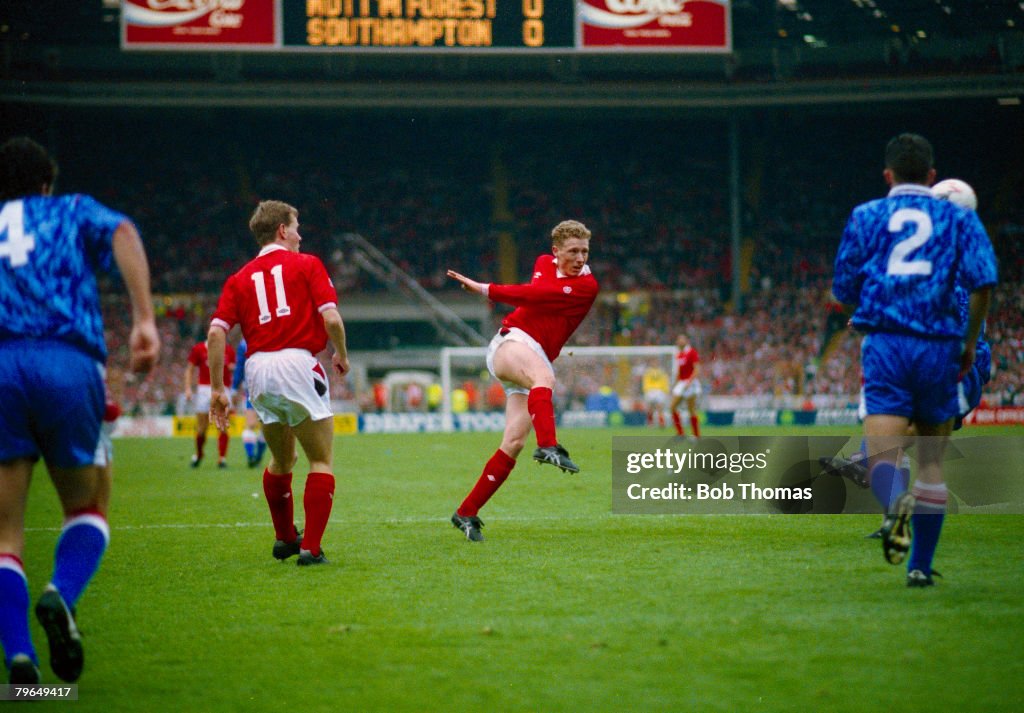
<point x="956" y="191"/>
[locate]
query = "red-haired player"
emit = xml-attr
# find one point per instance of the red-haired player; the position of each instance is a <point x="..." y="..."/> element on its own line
<point x="549" y="308"/>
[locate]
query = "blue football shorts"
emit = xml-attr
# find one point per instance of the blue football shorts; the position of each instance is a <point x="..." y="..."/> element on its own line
<point x="53" y="398"/>
<point x="910" y="376"/>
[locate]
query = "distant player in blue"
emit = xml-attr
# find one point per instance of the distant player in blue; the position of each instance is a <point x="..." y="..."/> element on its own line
<point x="899" y="264"/>
<point x="52" y="356"/>
<point x="252" y="435"/>
<point x="980" y="373"/>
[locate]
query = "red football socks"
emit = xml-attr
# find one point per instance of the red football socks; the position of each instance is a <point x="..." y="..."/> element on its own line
<point x="318" y="499"/>
<point x="200" y="442"/>
<point x="695" y="425"/>
<point x="678" y="422"/>
<point x="278" y="490"/>
<point x="222" y="444"/>
<point x="495" y="473"/>
<point x="542" y="413"/>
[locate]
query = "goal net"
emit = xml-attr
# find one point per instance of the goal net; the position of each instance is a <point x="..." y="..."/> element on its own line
<point x="591" y="382"/>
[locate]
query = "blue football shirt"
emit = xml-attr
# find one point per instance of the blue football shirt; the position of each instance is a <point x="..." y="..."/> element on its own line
<point x="50" y="250"/>
<point x="902" y="256"/>
<point x="239" y="374"/>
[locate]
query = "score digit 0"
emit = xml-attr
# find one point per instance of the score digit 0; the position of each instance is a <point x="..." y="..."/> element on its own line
<point x="533" y="26"/>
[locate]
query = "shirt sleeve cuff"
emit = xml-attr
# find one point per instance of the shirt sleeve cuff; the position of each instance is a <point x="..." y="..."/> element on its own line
<point x="486" y="288"/>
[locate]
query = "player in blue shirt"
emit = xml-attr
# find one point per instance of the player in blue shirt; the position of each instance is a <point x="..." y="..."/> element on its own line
<point x="252" y="436"/>
<point x="52" y="355"/>
<point x="968" y="389"/>
<point x="899" y="264"/>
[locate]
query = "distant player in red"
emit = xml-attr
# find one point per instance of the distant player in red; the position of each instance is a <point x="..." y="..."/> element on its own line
<point x="549" y="308"/>
<point x="197" y="375"/>
<point x="288" y="311"/>
<point x="687" y="386"/>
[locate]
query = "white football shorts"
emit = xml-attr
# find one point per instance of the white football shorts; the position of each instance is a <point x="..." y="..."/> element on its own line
<point x="201" y="398"/>
<point x="514" y="335"/>
<point x="287" y="386"/>
<point x="655" y="397"/>
<point x="688" y="388"/>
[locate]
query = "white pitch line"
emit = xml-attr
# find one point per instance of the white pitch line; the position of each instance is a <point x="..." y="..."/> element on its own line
<point x="413" y="521"/>
<point x="333" y="521"/>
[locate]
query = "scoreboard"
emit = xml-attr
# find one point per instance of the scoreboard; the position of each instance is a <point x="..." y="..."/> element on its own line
<point x="463" y="24"/>
<point x="402" y="26"/>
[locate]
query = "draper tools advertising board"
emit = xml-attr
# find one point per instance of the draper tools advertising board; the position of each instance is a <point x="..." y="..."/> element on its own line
<point x="428" y="25"/>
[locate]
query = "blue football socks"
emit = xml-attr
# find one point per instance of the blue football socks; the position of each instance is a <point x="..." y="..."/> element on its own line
<point x="887" y="483"/>
<point x="926" y="522"/>
<point x="80" y="548"/>
<point x="14" y="632"/>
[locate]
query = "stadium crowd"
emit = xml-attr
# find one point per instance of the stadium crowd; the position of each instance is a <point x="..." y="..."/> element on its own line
<point x="654" y="194"/>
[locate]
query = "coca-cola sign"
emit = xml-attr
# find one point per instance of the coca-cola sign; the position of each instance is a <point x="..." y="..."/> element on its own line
<point x="670" y="25"/>
<point x="210" y="24"/>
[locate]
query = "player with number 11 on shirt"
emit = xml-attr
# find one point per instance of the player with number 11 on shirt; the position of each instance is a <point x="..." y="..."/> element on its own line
<point x="288" y="310"/>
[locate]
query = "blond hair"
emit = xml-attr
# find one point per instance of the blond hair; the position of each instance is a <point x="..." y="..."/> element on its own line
<point x="268" y="216"/>
<point x="568" y="229"/>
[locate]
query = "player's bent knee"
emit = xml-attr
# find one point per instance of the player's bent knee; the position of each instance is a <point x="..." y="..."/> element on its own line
<point x="513" y="446"/>
<point x="544" y="379"/>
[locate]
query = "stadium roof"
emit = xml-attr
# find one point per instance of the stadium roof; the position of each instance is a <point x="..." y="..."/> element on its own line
<point x="784" y="52"/>
<point x="755" y="22"/>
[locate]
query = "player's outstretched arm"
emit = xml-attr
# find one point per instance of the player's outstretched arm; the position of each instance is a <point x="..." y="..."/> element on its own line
<point x="468" y="285"/>
<point x="130" y="256"/>
<point x="220" y="404"/>
<point x="545" y="296"/>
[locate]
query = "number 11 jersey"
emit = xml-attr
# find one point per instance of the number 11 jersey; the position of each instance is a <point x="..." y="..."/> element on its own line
<point x="278" y="298"/>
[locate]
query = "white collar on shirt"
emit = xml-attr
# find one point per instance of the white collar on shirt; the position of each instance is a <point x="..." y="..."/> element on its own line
<point x="559" y="273"/>
<point x="910" y="189"/>
<point x="271" y="248"/>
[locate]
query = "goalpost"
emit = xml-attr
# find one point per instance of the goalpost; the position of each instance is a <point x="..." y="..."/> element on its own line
<point x="587" y="365"/>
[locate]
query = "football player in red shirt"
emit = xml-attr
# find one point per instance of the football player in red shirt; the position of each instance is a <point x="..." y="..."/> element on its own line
<point x="198" y="373"/>
<point x="687" y="385"/>
<point x="287" y="308"/>
<point x="549" y="308"/>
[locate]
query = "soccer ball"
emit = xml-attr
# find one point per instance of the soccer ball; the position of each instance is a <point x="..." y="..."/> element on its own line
<point x="956" y="191"/>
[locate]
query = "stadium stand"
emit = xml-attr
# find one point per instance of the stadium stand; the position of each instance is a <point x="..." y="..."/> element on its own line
<point x="656" y="207"/>
<point x="652" y="183"/>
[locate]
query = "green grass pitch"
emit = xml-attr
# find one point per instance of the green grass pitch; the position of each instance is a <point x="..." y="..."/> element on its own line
<point x="564" y="607"/>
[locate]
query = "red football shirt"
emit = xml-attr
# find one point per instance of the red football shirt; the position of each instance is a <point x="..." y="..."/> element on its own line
<point x="685" y="361"/>
<point x="277" y="298"/>
<point x="551" y="306"/>
<point x="199" y="358"/>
